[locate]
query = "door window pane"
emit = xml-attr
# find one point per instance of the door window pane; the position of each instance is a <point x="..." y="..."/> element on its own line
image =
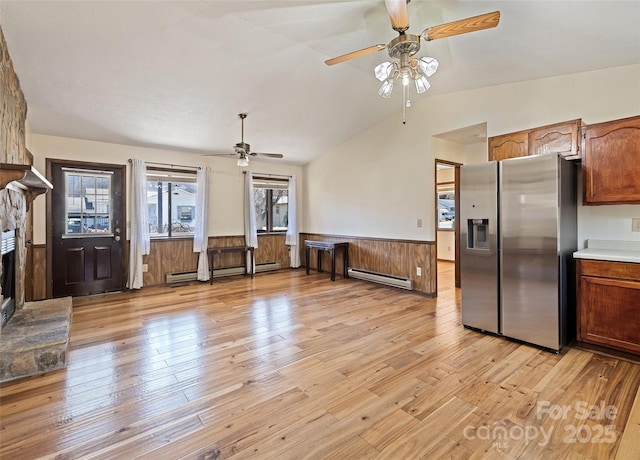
<point x="88" y="203"/>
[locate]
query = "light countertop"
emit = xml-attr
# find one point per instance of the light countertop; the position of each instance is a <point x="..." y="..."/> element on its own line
<point x="614" y="251"/>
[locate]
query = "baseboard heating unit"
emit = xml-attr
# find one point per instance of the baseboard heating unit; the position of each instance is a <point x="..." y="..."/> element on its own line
<point x="389" y="280"/>
<point x="220" y="272"/>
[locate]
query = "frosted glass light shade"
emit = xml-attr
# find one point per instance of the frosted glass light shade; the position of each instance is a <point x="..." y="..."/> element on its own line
<point x="428" y="65"/>
<point x="386" y="88"/>
<point x="383" y="71"/>
<point x="243" y="161"/>
<point x="422" y="84"/>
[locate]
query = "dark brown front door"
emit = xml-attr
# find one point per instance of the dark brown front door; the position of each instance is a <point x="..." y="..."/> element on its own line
<point x="87" y="216"/>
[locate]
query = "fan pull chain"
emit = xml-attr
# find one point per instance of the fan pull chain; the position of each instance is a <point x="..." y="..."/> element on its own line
<point x="404" y="105"/>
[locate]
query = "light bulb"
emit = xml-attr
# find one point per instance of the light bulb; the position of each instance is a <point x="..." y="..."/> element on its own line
<point x="405" y="78"/>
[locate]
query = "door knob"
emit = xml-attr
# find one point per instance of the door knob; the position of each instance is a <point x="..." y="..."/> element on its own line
<point x="117" y="238"/>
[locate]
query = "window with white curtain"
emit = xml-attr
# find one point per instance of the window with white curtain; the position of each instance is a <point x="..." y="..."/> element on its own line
<point x="271" y="196"/>
<point x="171" y="201"/>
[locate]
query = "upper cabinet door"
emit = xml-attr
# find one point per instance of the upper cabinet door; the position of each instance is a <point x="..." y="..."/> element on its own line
<point x="559" y="138"/>
<point x="611" y="162"/>
<point x="510" y="145"/>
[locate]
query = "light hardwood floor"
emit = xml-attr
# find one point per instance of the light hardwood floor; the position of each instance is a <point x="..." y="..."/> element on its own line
<point x="288" y="366"/>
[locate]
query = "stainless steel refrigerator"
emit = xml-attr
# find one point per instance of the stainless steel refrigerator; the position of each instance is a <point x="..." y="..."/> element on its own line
<point x="517" y="236"/>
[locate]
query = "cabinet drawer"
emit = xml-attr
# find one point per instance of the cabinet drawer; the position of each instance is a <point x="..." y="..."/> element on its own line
<point x="605" y="269"/>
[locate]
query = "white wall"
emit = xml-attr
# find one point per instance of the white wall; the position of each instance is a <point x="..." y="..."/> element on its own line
<point x="226" y="203"/>
<point x="378" y="183"/>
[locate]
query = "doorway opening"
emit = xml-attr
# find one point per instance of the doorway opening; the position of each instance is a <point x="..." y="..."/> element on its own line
<point x="447" y="199"/>
<point x="453" y="149"/>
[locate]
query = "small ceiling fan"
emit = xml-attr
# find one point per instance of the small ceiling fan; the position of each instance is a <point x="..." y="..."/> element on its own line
<point x="243" y="150"/>
<point x="404" y="66"/>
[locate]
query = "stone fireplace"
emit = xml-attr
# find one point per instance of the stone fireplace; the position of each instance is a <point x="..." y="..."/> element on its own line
<point x="35" y="338"/>
<point x="19" y="186"/>
<point x="13" y="212"/>
<point x="8" y="275"/>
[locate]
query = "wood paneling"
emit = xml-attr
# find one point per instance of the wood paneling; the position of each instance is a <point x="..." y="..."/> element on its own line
<point x="168" y="256"/>
<point x="390" y="257"/>
<point x="176" y="255"/>
<point x="39" y="273"/>
<point x="289" y="366"/>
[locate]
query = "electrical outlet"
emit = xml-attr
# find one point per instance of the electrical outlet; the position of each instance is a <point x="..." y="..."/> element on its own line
<point x="145" y="268"/>
<point x="418" y="271"/>
<point x="635" y="224"/>
<point x="419" y="223"/>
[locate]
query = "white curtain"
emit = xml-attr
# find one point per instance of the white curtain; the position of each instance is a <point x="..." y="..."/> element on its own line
<point x="250" y="231"/>
<point x="139" y="237"/>
<point x="201" y="232"/>
<point x="292" y="226"/>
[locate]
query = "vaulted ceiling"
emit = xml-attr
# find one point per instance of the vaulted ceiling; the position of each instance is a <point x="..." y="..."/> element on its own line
<point x="175" y="74"/>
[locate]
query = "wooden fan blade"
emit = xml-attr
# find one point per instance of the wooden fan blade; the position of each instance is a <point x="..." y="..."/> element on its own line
<point x="463" y="26"/>
<point x="398" y="14"/>
<point x="354" y="54"/>
<point x="270" y="155"/>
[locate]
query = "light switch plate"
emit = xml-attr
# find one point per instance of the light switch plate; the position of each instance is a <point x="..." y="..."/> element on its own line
<point x="635" y="224"/>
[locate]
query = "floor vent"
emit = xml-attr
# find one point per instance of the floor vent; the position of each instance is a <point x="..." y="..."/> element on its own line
<point x="220" y="272"/>
<point x="389" y="280"/>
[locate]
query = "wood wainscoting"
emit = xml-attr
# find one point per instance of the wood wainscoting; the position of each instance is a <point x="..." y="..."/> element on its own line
<point x="388" y="256"/>
<point x="171" y="256"/>
<point x="37" y="272"/>
<point x="176" y="255"/>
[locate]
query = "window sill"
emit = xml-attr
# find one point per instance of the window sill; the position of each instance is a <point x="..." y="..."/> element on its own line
<point x="272" y="233"/>
<point x="161" y="238"/>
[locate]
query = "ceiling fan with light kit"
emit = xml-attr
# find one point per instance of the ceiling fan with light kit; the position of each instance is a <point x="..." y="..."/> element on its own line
<point x="404" y="65"/>
<point x="243" y="150"/>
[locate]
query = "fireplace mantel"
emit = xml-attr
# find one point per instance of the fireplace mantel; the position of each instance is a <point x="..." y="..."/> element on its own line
<point x="26" y="177"/>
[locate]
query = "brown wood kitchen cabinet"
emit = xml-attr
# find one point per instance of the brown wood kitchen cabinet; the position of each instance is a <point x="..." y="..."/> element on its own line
<point x="510" y="145"/>
<point x="563" y="138"/>
<point x="608" y="307"/>
<point x="611" y="162"/>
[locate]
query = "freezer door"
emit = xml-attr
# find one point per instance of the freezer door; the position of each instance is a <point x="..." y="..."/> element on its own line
<point x="529" y="243"/>
<point x="479" y="245"/>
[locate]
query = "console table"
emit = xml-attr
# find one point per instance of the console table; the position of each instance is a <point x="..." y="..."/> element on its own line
<point x="331" y="248"/>
<point x="211" y="252"/>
